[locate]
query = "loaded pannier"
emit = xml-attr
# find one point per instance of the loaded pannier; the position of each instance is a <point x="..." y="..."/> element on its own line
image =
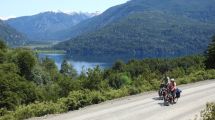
<point x="178" y="93"/>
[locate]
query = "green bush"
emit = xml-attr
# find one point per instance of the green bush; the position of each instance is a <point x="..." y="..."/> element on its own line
<point x="177" y="72"/>
<point x="8" y="117"/>
<point x="25" y="61"/>
<point x="112" y="94"/>
<point x="182" y="81"/>
<point x="119" y="80"/>
<point x="33" y="110"/>
<point x="197" y="76"/>
<point x="94" y="80"/>
<point x="81" y="98"/>
<point x="211" y="74"/>
<point x="134" y="90"/>
<point x="97" y="97"/>
<point x="209" y="112"/>
<point x="10" y="83"/>
<point x="69" y="102"/>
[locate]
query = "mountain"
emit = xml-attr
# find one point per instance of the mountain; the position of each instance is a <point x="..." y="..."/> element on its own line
<point x="146" y="28"/>
<point x="201" y="10"/>
<point x="11" y="36"/>
<point x="47" y="25"/>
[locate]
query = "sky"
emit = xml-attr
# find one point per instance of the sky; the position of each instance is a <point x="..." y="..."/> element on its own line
<point x="16" y="8"/>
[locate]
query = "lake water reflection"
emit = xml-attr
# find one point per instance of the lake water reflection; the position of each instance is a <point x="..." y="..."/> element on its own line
<point x="78" y="65"/>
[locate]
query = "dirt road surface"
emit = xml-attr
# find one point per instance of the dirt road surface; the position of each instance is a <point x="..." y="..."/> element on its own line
<point x="146" y="106"/>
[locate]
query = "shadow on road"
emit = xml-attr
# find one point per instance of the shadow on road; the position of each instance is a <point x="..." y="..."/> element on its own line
<point x="161" y="103"/>
<point x="157" y="98"/>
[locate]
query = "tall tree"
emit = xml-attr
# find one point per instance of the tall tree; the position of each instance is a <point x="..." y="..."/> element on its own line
<point x="210" y="54"/>
<point x="119" y="65"/>
<point x="67" y="69"/>
<point x="50" y="66"/>
<point x="26" y="61"/>
<point x="2" y="51"/>
<point x="3" y="46"/>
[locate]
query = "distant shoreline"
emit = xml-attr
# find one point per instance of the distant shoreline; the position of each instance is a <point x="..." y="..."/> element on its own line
<point x="51" y="51"/>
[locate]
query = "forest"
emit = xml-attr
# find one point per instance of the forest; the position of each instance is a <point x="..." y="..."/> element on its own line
<point x="143" y="35"/>
<point x="33" y="87"/>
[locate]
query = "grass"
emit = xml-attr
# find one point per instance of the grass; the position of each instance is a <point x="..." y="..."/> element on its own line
<point x="43" y="47"/>
<point x="51" y="51"/>
<point x="40" y="44"/>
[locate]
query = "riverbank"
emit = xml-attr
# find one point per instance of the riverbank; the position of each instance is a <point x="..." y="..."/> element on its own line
<point x="50" y="51"/>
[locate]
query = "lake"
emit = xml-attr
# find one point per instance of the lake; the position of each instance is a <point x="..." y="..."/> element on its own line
<point x="79" y="65"/>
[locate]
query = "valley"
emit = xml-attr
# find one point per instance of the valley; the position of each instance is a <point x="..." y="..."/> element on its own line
<point x="116" y="54"/>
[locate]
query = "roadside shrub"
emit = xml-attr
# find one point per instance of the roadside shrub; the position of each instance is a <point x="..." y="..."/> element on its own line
<point x="119" y="80"/>
<point x="211" y="74"/>
<point x="141" y="83"/>
<point x="34" y="110"/>
<point x="97" y="97"/>
<point x="69" y="102"/>
<point x="3" y="112"/>
<point x="8" y="117"/>
<point x="182" y="81"/>
<point x="197" y="76"/>
<point x="177" y="72"/>
<point x="155" y="84"/>
<point x="94" y="80"/>
<point x="112" y="93"/>
<point x="209" y="112"/>
<point x="133" y="90"/>
<point x="81" y="98"/>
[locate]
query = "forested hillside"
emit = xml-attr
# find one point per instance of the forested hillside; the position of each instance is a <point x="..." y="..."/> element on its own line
<point x="10" y="35"/>
<point x="145" y="34"/>
<point x="146" y="28"/>
<point x="194" y="9"/>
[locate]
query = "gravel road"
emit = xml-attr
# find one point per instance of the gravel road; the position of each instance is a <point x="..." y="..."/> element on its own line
<point x="146" y="106"/>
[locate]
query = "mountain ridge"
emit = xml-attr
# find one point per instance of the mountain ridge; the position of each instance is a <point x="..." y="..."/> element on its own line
<point x="10" y="35"/>
<point x="151" y="23"/>
<point x="205" y="13"/>
<point x="46" y="25"/>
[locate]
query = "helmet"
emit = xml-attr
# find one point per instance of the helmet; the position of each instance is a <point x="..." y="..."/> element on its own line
<point x="172" y="79"/>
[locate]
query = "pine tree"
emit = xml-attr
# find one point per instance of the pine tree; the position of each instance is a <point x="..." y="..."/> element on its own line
<point x="210" y="55"/>
<point x="67" y="69"/>
<point x="3" y="46"/>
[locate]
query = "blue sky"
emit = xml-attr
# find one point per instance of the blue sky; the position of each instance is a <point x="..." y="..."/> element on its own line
<point x="15" y="8"/>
